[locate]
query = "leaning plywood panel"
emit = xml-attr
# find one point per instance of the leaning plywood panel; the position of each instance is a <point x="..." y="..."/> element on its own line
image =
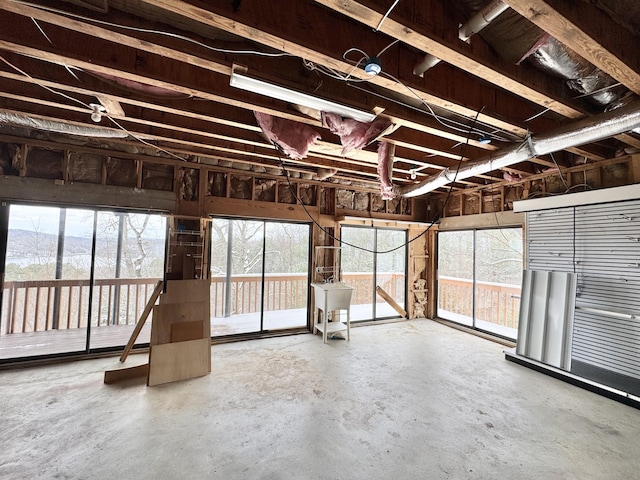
<point x="184" y="331"/>
<point x="171" y="362"/>
<point x="164" y="315"/>
<point x="186" y="291"/>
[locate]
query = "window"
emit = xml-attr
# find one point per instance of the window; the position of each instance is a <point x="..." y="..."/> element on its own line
<point x="259" y="275"/>
<point x="364" y="270"/>
<point x="76" y="279"/>
<point x="479" y="278"/>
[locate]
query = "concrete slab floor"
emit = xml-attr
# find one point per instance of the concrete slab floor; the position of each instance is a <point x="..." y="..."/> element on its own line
<point x="410" y="400"/>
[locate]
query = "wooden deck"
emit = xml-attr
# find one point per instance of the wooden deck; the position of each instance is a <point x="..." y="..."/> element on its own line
<point x="51" y="342"/>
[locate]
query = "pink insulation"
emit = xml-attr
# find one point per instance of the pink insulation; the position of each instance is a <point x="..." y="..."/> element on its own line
<point x="386" y="153"/>
<point x="511" y="177"/>
<point x="354" y="135"/>
<point x="294" y="138"/>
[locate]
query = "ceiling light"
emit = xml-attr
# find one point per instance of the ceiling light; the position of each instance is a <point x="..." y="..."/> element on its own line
<point x="484" y="139"/>
<point x="97" y="111"/>
<point x="372" y="67"/>
<point x="281" y="93"/>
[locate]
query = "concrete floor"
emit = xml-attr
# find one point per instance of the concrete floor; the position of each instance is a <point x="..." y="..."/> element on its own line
<point x="410" y="400"/>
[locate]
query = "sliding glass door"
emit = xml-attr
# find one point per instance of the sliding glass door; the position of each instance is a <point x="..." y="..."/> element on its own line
<point x="479" y="278"/>
<point x="259" y="275"/>
<point x="455" y="276"/>
<point x="75" y="279"/>
<point x="129" y="261"/>
<point x="371" y="258"/>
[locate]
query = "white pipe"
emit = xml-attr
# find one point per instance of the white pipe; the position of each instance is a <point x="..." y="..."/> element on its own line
<point x="587" y="130"/>
<point x="427" y="62"/>
<point x="481" y="19"/>
<point x="476" y="23"/>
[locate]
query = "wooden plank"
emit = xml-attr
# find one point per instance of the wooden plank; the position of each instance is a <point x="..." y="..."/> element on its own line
<point x="172" y="362"/>
<point x="111" y="104"/>
<point x="387" y="298"/>
<point x="113" y="376"/>
<point x="180" y="290"/>
<point x="252" y="23"/>
<point x="185" y="331"/>
<point x="141" y="321"/>
<point x="164" y="315"/>
<point x="42" y="190"/>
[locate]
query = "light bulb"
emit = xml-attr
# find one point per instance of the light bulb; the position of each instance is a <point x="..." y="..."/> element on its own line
<point x="97" y="111"/>
<point x="372" y="66"/>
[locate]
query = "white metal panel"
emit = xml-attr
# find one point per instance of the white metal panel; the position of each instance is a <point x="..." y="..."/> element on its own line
<point x="546" y="317"/>
<point x="601" y="244"/>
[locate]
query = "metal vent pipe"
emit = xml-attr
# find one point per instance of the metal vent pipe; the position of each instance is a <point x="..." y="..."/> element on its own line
<point x="587" y="130"/>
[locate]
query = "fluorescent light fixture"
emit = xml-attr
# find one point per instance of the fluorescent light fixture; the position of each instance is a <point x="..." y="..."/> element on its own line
<point x="281" y="93"/>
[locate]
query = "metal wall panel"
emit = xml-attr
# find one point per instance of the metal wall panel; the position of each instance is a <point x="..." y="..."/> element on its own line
<point x="601" y="244"/>
<point x="546" y="317"/>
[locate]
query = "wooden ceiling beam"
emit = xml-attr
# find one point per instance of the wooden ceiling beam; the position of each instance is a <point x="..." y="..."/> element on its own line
<point x="510" y="78"/>
<point x="75" y="56"/>
<point x="299" y="28"/>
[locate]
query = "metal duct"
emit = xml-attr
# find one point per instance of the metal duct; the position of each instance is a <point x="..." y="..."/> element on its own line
<point x="516" y="39"/>
<point x="587" y="130"/>
<point x="20" y="120"/>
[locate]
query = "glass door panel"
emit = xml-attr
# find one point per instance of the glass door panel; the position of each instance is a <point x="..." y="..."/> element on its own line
<point x="357" y="267"/>
<point x="390" y="270"/>
<point x="286" y="275"/>
<point x="455" y="276"/>
<point x="220" y="234"/>
<point x="46" y="281"/>
<point x="242" y="244"/>
<point x="498" y="280"/>
<point x="129" y="262"/>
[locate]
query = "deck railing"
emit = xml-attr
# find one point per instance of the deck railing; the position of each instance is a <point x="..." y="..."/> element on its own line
<point x="40" y="305"/>
<point x="497" y="303"/>
<point x="34" y="306"/>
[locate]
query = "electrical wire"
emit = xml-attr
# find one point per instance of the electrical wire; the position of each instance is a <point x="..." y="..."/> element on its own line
<point x="155" y="32"/>
<point x="348" y="78"/>
<point x="386" y="15"/>
<point x="566" y="185"/>
<point x="87" y="106"/>
<point x="36" y="81"/>
<point x="441" y="120"/>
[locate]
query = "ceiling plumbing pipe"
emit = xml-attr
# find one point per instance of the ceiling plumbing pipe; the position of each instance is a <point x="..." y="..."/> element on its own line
<point x="587" y="130"/>
<point x="475" y="24"/>
<point x="481" y="19"/>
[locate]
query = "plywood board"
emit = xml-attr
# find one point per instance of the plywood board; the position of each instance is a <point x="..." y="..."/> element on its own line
<point x="172" y="362"/>
<point x="113" y="376"/>
<point x="186" y="291"/>
<point x="164" y="315"/>
<point x="184" y="331"/>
